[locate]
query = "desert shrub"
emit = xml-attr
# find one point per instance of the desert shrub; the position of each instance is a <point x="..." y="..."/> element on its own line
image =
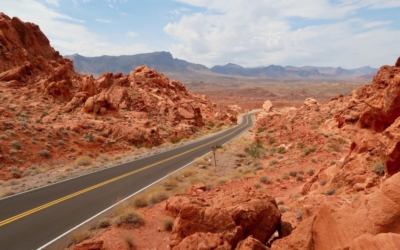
<point x="168" y="224"/>
<point x="89" y="138"/>
<point x="310" y="172"/>
<point x="5" y="193"/>
<point x="333" y="163"/>
<point x="260" y="130"/>
<point x="48" y="145"/>
<point x="157" y="197"/>
<point x="83" y="161"/>
<point x="80" y="235"/>
<point x="257" y="185"/>
<point x="44" y="153"/>
<point x="3" y="136"/>
<point x="308" y="151"/>
<point x="280" y="203"/>
<point x="174" y="140"/>
<point x="265" y="180"/>
<point x="28" y="172"/>
<point x="273" y="162"/>
<point x="10" y="132"/>
<point x="300" y="172"/>
<point x="104" y="158"/>
<point x="60" y="142"/>
<point x="128" y="240"/>
<point x="330" y="191"/>
<point x="171" y="183"/>
<point x="104" y="223"/>
<point x="313" y="160"/>
<point x="210" y="124"/>
<point x="140" y="201"/>
<point x="299" y="178"/>
<point x="187" y="172"/>
<point x="282" y="209"/>
<point x="130" y="219"/>
<point x="299" y="214"/>
<point x="322" y="183"/>
<point x="12" y="151"/>
<point x="16" y="144"/>
<point x="281" y="150"/>
<point x="285" y="176"/>
<point x="255" y="150"/>
<point x="300" y="145"/>
<point x="379" y="168"/>
<point x="293" y="173"/>
<point x="218" y="146"/>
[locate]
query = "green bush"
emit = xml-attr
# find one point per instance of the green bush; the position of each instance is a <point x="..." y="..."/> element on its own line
<point x="131" y="218"/>
<point x="308" y="151"/>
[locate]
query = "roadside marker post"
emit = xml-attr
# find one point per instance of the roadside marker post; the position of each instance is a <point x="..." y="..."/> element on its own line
<point x="213" y="148"/>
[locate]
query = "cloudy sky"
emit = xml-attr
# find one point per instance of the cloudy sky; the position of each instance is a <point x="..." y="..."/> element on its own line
<point x="347" y="33"/>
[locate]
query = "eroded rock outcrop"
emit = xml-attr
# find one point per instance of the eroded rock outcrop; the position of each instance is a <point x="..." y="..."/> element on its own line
<point x="224" y="215"/>
<point x="143" y="108"/>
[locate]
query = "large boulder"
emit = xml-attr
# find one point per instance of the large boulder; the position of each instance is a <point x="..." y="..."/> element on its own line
<point x="385" y="241"/>
<point x="235" y="212"/>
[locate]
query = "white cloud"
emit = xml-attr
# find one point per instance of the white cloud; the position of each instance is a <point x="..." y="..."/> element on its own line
<point x="261" y="33"/>
<point x="54" y="2"/>
<point x="102" y="20"/>
<point x="132" y="34"/>
<point x="111" y="6"/>
<point x="175" y="12"/>
<point x="67" y="34"/>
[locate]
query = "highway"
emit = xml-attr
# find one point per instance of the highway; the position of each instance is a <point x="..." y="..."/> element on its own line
<point x="33" y="219"/>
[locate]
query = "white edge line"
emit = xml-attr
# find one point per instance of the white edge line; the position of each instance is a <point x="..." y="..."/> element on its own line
<point x="130" y="196"/>
<point x="113" y="166"/>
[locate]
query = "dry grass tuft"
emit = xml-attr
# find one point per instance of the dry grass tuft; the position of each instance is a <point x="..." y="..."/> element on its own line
<point x="80" y="235"/>
<point x="168" y="224"/>
<point x="83" y="161"/>
<point x="5" y="193"/>
<point x="139" y="201"/>
<point x="130" y="218"/>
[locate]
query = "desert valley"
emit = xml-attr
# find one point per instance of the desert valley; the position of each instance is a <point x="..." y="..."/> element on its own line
<point x="317" y="170"/>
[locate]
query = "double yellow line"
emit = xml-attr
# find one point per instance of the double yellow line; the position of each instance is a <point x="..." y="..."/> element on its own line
<point x="34" y="210"/>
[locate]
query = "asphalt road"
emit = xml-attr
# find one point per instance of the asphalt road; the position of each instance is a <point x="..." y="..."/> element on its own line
<point x="32" y="219"/>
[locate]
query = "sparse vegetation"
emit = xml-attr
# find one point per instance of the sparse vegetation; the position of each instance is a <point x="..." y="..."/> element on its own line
<point x="130" y="219"/>
<point x="330" y="191"/>
<point x="299" y="214"/>
<point x="175" y="140"/>
<point x="3" y="136"/>
<point x="265" y="180"/>
<point x="273" y="162"/>
<point x="308" y="151"/>
<point x="322" y="183"/>
<point x="378" y="168"/>
<point x="83" y="161"/>
<point x="44" y="153"/>
<point x="293" y="173"/>
<point x="168" y="224"/>
<point x="80" y="235"/>
<point x="129" y="240"/>
<point x="310" y="172"/>
<point x="104" y="223"/>
<point x="16" y="144"/>
<point x="255" y="150"/>
<point x="257" y="185"/>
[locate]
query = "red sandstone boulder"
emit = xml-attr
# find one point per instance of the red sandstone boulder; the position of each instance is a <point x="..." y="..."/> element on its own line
<point x="385" y="241"/>
<point x="251" y="244"/>
<point x="397" y="62"/>
<point x="239" y="213"/>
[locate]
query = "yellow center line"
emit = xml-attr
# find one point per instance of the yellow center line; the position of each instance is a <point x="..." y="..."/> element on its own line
<point x="19" y="216"/>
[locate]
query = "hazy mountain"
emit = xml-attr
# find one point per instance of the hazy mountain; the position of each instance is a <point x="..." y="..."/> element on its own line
<point x="173" y="67"/>
<point x="161" y="61"/>
<point x="274" y="71"/>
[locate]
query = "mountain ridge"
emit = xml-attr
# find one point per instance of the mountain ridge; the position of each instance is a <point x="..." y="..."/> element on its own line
<point x="164" y="62"/>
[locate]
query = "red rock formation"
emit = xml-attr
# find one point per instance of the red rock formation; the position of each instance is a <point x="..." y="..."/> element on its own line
<point x="144" y="108"/>
<point x="397" y="62"/>
<point x="230" y="214"/>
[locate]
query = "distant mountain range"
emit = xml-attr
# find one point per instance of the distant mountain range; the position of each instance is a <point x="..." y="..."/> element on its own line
<point x="164" y="62"/>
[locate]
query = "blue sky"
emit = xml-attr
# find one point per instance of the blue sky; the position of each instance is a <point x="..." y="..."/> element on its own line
<point x="347" y="33"/>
